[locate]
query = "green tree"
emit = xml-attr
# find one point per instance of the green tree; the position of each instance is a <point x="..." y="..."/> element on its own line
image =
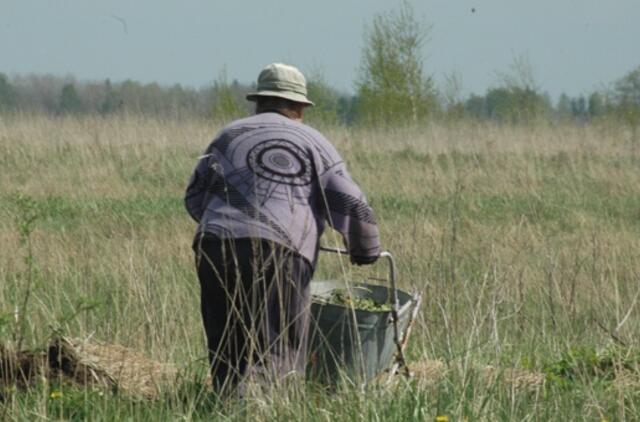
<point x="226" y="99"/>
<point x="579" y="108"/>
<point x="70" y="101"/>
<point x="392" y="86"/>
<point x="628" y="88"/>
<point x="451" y="95"/>
<point x="347" y="105"/>
<point x="518" y="100"/>
<point x="111" y="102"/>
<point x="563" y="108"/>
<point x="627" y="93"/>
<point x="7" y="94"/>
<point x="326" y="100"/>
<point x="597" y="105"/>
<point x="476" y="106"/>
<point x="501" y="105"/>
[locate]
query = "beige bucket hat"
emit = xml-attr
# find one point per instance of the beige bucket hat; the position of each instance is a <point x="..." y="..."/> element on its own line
<point x="281" y="80"/>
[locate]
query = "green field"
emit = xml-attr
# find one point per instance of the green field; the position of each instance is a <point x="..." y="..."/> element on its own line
<point x="523" y="240"/>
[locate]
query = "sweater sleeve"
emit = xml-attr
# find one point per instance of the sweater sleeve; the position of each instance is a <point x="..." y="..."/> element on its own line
<point x="196" y="194"/>
<point x="348" y="212"/>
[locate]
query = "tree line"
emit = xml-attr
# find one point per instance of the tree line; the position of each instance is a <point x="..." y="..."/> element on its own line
<point x="393" y="87"/>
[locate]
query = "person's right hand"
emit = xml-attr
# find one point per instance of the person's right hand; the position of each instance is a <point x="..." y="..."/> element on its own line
<point x="363" y="260"/>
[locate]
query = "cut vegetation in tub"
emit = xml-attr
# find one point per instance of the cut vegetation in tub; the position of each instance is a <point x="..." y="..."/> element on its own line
<point x="346" y="298"/>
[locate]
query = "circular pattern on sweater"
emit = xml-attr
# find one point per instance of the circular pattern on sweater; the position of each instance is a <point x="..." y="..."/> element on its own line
<point x="280" y="161"/>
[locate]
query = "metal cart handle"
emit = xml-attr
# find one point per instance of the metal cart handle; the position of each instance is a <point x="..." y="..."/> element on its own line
<point x="392" y="280"/>
<point x="392" y="270"/>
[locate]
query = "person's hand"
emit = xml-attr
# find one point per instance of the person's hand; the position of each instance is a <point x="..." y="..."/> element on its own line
<point x="363" y="260"/>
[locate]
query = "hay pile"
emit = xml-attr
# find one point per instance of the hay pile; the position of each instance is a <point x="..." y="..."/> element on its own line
<point x="427" y="372"/>
<point x="518" y="379"/>
<point x="85" y="362"/>
<point x="91" y="362"/>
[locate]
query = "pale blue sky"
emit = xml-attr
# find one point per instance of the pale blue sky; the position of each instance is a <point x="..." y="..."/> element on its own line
<point x="575" y="46"/>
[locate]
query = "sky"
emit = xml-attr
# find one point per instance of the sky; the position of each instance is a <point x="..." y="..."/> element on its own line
<point x="574" y="46"/>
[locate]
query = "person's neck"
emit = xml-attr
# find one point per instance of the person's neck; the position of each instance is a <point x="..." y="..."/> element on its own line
<point x="285" y="113"/>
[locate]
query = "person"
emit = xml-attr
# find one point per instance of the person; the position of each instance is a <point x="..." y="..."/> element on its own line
<point x="262" y="194"/>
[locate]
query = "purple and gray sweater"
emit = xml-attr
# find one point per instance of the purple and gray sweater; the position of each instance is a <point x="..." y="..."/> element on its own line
<point x="270" y="177"/>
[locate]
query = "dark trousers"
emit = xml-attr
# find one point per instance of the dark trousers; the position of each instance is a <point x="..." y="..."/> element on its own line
<point x="255" y="309"/>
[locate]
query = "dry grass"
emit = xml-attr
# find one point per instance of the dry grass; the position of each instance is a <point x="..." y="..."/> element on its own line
<point x="523" y="240"/>
<point x="88" y="363"/>
<point x="112" y="365"/>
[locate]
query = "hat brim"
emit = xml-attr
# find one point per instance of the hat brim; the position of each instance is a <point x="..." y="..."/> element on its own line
<point x="291" y="96"/>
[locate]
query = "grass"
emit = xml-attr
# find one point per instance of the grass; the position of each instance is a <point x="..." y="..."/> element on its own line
<point x="523" y="240"/>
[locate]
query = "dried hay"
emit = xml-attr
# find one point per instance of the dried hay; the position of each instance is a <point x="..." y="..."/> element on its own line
<point x="518" y="379"/>
<point x="424" y="372"/>
<point x="85" y="362"/>
<point x="429" y="371"/>
<point x="89" y="362"/>
<point x="111" y="365"/>
<point x="626" y="380"/>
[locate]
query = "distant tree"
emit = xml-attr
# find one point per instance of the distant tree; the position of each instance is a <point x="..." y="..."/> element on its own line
<point x="476" y="106"/>
<point x="454" y="107"/>
<point x="518" y="100"/>
<point x="69" y="100"/>
<point x="130" y="93"/>
<point x="181" y="100"/>
<point x="44" y="93"/>
<point x="111" y="102"/>
<point x="7" y="94"/>
<point x="628" y="88"/>
<point x="347" y="106"/>
<point x="501" y="105"/>
<point x="227" y="103"/>
<point x="627" y="95"/>
<point x="152" y="99"/>
<point x="38" y="93"/>
<point x="597" y="105"/>
<point x="563" y="108"/>
<point x="92" y="95"/>
<point x="326" y="100"/>
<point x="579" y="108"/>
<point x="392" y="86"/>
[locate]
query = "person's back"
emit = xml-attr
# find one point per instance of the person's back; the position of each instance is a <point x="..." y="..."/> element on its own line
<point x="261" y="195"/>
<point x="270" y="177"/>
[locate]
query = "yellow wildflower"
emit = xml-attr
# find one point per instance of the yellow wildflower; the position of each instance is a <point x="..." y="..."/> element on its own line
<point x="442" y="418"/>
<point x="55" y="394"/>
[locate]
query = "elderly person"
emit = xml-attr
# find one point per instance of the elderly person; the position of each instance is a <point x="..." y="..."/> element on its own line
<point x="261" y="195"/>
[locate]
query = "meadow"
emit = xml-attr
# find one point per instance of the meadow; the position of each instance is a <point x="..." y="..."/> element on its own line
<point x="524" y="241"/>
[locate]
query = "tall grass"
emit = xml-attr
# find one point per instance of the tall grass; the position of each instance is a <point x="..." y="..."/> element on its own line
<point x="523" y="240"/>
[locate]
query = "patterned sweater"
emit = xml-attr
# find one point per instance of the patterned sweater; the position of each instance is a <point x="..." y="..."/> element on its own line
<point x="270" y="177"/>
